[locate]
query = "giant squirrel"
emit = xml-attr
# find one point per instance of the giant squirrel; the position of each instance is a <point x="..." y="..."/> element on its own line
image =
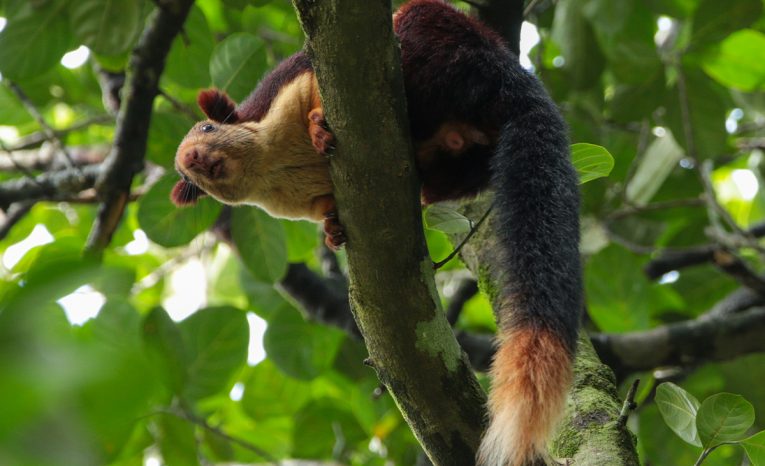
<point x="477" y="119"/>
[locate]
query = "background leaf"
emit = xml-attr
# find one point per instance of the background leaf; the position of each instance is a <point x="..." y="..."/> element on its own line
<point x="755" y="448"/>
<point x="723" y="417"/>
<point x="237" y="63"/>
<point x="591" y="161"/>
<point x="260" y="240"/>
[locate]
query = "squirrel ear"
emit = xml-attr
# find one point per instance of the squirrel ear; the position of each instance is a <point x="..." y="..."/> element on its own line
<point x="217" y="106"/>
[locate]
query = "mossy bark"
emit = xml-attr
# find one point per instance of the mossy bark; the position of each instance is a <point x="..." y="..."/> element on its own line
<point x="589" y="433"/>
<point x="392" y="291"/>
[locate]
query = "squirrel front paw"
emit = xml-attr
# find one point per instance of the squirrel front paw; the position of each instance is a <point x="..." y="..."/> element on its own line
<point x="321" y="137"/>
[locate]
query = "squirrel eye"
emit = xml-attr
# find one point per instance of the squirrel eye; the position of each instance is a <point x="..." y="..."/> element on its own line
<point x="207" y="128"/>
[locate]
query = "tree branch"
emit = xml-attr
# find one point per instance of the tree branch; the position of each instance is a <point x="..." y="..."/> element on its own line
<point x="392" y="293"/>
<point x="127" y="156"/>
<point x="685" y="343"/>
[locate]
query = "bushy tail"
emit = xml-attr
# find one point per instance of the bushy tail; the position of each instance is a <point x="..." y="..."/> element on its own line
<point x="538" y="228"/>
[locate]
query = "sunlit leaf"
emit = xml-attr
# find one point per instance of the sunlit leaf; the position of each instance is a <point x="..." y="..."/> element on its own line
<point x="108" y="27"/>
<point x="679" y="409"/>
<point x="591" y="161"/>
<point x="739" y="62"/>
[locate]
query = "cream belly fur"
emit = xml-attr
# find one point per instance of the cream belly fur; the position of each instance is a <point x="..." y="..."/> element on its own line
<point x="270" y="163"/>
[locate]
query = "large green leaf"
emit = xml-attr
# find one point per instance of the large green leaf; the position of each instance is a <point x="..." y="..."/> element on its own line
<point x="177" y="440"/>
<point x="755" y="448"/>
<point x="724" y="417"/>
<point x="237" y="64"/>
<point x="301" y="349"/>
<point x="679" y="409"/>
<point x="216" y="341"/>
<point x="591" y="161"/>
<point x="322" y="427"/>
<point x="739" y="62"/>
<point x="168" y="225"/>
<point x="260" y="241"/>
<point x="165" y="347"/>
<point x="34" y="41"/>
<point x="574" y="35"/>
<point x="108" y="27"/>
<point x="270" y="393"/>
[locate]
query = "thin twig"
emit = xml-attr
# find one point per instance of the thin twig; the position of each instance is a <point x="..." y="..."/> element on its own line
<point x="629" y="404"/>
<point x="470" y="234"/>
<point x="50" y="133"/>
<point x="527" y="11"/>
<point x="186" y="415"/>
<point x="671" y="204"/>
<point x="180" y="106"/>
<point x="16" y="212"/>
<point x="35" y="139"/>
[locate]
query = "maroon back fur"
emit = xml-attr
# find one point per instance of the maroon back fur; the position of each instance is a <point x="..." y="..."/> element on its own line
<point x="257" y="104"/>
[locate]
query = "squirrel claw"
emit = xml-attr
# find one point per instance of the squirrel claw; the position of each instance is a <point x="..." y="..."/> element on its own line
<point x="333" y="231"/>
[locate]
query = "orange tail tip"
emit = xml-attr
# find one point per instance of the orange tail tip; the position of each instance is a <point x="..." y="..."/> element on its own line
<point x="531" y="376"/>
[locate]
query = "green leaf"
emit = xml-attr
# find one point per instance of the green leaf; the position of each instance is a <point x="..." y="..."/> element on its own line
<point x="107" y="27"/>
<point x="300" y="349"/>
<point x="679" y="409"/>
<point x="328" y="424"/>
<point x="177" y="441"/>
<point x="445" y="218"/>
<point x="188" y="63"/>
<point x="739" y="62"/>
<point x="168" y="225"/>
<point x="755" y="448"/>
<point x="34" y="41"/>
<point x="714" y="20"/>
<point x="302" y="240"/>
<point x="591" y="161"/>
<point x="216" y="341"/>
<point x="270" y="393"/>
<point x="260" y="241"/>
<point x="724" y="417"/>
<point x="237" y="64"/>
<point x="162" y="339"/>
<point x="165" y="133"/>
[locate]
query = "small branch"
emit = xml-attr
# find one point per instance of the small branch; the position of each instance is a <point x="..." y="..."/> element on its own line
<point x="180" y="106"/>
<point x="630" y="210"/>
<point x="48" y="131"/>
<point x="676" y="260"/>
<point x="466" y="289"/>
<point x="35" y="139"/>
<point x="16" y="212"/>
<point x="629" y="404"/>
<point x="459" y="247"/>
<point x="739" y="270"/>
<point x="127" y="156"/>
<point x="188" y="416"/>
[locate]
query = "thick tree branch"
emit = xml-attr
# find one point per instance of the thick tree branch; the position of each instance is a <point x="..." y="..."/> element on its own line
<point x="392" y="292"/>
<point x="686" y="343"/>
<point x="127" y="156"/>
<point x="51" y="185"/>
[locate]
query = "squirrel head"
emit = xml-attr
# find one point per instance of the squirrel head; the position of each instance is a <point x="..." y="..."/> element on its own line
<point x="218" y="106"/>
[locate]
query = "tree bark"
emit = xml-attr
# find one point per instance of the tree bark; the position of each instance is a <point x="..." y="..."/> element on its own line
<point x="392" y="292"/>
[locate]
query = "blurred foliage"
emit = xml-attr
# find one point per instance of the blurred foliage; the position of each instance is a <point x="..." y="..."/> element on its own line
<point x="664" y="85"/>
